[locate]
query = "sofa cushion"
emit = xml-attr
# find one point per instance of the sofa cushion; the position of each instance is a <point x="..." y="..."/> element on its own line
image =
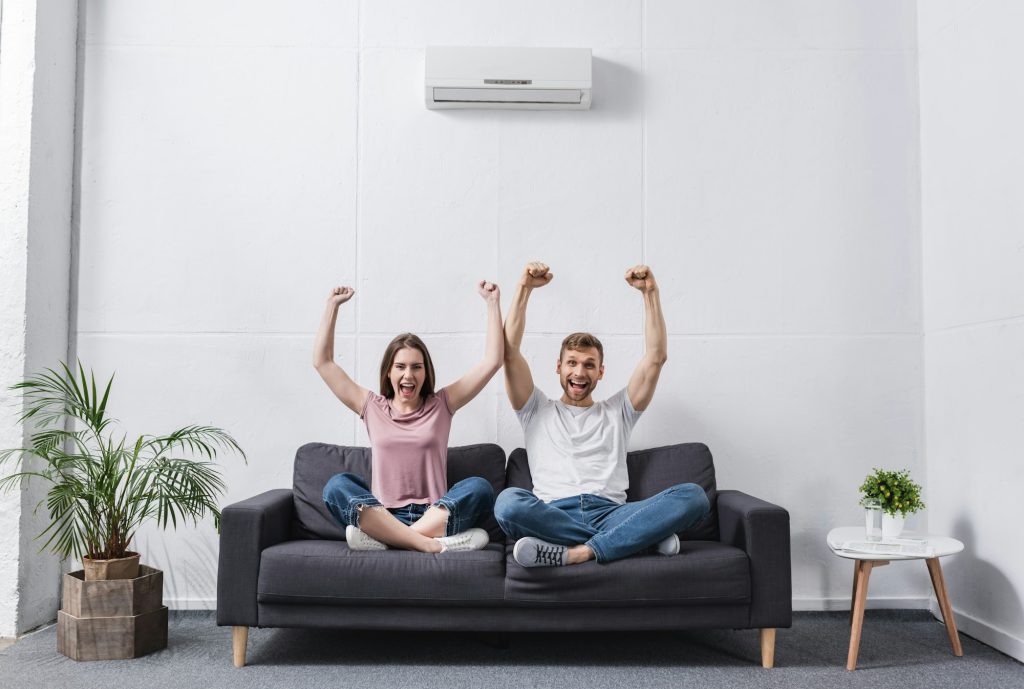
<point x="703" y="573"/>
<point x="650" y="472"/>
<point x="316" y="463"/>
<point x="319" y="572"/>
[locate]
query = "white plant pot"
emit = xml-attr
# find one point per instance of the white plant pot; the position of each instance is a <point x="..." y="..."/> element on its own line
<point x="892" y="526"/>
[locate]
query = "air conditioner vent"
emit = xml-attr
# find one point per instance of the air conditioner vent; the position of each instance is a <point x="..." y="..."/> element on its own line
<point x="538" y="96"/>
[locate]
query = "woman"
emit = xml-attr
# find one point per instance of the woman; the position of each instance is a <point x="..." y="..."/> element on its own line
<point x="408" y="504"/>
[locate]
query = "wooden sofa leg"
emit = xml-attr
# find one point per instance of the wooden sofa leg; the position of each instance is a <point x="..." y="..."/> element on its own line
<point x="768" y="648"/>
<point x="239" y="639"/>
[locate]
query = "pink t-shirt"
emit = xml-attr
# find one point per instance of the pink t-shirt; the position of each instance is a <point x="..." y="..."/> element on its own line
<point x="410" y="451"/>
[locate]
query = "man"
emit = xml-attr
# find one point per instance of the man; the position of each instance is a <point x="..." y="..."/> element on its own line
<point x="577" y="448"/>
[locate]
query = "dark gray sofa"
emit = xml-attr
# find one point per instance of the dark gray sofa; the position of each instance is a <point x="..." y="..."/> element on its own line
<point x="284" y="562"/>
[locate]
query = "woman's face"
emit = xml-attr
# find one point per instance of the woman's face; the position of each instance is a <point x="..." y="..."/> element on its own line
<point x="407" y="373"/>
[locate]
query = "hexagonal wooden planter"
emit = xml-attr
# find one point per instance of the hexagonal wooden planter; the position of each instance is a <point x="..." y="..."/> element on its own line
<point x="112" y="620"/>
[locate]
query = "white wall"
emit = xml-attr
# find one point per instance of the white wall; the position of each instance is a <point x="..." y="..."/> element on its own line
<point x="37" y="115"/>
<point x="238" y="161"/>
<point x="972" y="105"/>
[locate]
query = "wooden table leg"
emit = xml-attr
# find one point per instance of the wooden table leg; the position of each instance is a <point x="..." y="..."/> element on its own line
<point x="939" y="584"/>
<point x="860" y="596"/>
<point x="853" y="594"/>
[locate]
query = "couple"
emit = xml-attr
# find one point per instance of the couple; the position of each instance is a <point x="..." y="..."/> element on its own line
<point x="576" y="447"/>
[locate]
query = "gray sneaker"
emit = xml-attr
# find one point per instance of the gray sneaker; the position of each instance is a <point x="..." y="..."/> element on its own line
<point x="357" y="540"/>
<point x="669" y="546"/>
<point x="533" y="552"/>
<point x="470" y="539"/>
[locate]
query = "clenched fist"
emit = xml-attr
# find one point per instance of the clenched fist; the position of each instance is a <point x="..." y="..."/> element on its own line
<point x="535" y="274"/>
<point x="642" y="278"/>
<point x="339" y="295"/>
<point x="488" y="290"/>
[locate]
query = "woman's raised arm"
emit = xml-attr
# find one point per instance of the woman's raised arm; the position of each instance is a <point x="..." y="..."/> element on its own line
<point x="346" y="389"/>
<point x="462" y="391"/>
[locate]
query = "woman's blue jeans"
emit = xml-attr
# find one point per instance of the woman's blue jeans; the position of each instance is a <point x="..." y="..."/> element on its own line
<point x="610" y="529"/>
<point x="469" y="502"/>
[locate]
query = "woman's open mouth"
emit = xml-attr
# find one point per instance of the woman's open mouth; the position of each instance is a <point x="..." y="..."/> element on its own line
<point x="406" y="390"/>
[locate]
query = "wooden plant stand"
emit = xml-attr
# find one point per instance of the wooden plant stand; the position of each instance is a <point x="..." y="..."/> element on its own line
<point x="114" y="619"/>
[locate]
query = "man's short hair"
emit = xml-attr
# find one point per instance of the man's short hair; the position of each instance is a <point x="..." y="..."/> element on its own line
<point x="580" y="341"/>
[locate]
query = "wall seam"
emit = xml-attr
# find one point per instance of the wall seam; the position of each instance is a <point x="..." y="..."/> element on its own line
<point x="922" y="427"/>
<point x="643" y="133"/>
<point x="356" y="326"/>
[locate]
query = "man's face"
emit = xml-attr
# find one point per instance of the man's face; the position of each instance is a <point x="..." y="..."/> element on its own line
<point x="578" y="372"/>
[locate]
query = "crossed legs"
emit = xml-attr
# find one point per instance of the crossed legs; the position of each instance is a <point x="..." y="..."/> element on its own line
<point x="377" y="522"/>
<point x="350" y="501"/>
<point x="592" y="527"/>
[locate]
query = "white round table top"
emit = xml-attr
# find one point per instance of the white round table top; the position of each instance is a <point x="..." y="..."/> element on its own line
<point x="940" y="545"/>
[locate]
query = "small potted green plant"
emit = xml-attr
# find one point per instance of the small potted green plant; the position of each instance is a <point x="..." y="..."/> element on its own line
<point x="898" y="496"/>
<point x="102" y="489"/>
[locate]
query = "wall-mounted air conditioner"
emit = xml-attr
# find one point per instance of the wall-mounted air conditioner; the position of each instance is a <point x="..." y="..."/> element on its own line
<point x="520" y="78"/>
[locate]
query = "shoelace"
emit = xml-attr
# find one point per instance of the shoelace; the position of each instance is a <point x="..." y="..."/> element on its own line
<point x="457" y="540"/>
<point x="550" y="554"/>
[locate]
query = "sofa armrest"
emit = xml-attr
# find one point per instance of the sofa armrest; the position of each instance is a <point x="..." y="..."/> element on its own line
<point x="246" y="528"/>
<point x="761" y="529"/>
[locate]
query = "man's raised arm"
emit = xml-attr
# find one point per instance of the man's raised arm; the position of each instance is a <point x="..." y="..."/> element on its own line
<point x="645" y="378"/>
<point x="518" y="380"/>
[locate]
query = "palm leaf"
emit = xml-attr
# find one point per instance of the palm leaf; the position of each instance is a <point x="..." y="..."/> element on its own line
<point x="102" y="489"/>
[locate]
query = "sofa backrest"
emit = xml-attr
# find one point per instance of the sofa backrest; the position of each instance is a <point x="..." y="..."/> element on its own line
<point x="316" y="463"/>
<point x="650" y="472"/>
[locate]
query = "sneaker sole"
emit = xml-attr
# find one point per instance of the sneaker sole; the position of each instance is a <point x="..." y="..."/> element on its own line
<point x="482" y="540"/>
<point x="516" y="551"/>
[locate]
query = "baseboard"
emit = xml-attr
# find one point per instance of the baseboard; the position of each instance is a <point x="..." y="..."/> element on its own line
<point x="873" y="603"/>
<point x="799" y="604"/>
<point x="191" y="603"/>
<point x="984" y="632"/>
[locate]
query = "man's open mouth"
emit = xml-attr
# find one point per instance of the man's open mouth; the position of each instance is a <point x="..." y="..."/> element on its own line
<point x="578" y="386"/>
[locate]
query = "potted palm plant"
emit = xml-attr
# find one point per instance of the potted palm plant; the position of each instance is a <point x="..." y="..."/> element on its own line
<point x="102" y="488"/>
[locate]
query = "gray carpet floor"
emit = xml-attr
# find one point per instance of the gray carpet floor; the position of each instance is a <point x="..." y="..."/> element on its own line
<point x="905" y="649"/>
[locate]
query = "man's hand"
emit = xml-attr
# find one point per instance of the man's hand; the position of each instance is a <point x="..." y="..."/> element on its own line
<point x="645" y="378"/>
<point x="535" y="274"/>
<point x="641" y="278"/>
<point x="489" y="291"/>
<point x="518" y="379"/>
<point x="339" y="295"/>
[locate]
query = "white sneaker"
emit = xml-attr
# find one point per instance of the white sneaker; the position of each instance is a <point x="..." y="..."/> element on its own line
<point x="471" y="539"/>
<point x="533" y="552"/>
<point x="669" y="546"/>
<point x="357" y="540"/>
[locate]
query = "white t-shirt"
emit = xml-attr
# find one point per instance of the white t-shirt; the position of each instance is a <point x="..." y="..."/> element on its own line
<point x="575" y="450"/>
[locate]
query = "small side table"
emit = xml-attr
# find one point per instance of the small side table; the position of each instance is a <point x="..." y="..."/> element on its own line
<point x="864" y="563"/>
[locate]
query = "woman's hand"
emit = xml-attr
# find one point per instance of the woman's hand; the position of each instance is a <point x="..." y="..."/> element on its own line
<point x="489" y="291"/>
<point x="345" y="389"/>
<point x="339" y="295"/>
<point x="469" y="385"/>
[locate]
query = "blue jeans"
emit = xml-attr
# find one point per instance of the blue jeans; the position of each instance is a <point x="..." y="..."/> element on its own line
<point x="469" y="502"/>
<point x="611" y="530"/>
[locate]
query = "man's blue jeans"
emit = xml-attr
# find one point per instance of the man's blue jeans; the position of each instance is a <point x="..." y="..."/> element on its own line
<point x="469" y="502"/>
<point x="612" y="531"/>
